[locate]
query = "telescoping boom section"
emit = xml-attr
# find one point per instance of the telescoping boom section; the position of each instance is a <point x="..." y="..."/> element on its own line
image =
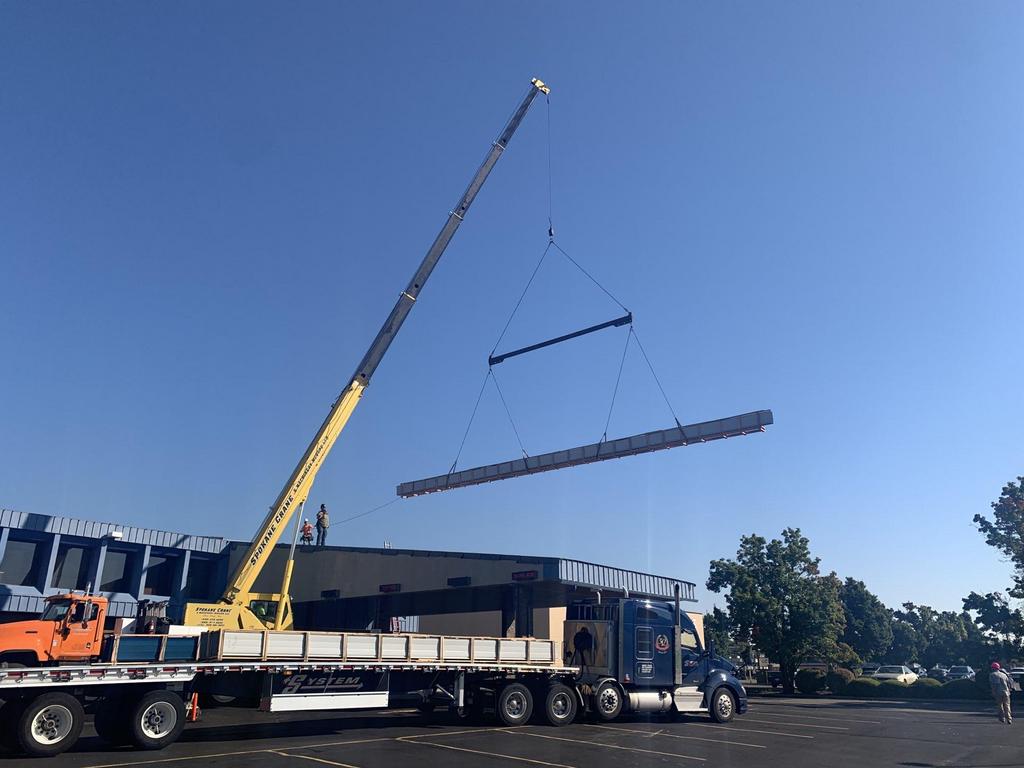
<point x="239" y="607"/>
<point x="674" y="437"/>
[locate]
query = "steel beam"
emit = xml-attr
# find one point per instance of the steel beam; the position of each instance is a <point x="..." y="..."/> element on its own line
<point x="674" y="437"/>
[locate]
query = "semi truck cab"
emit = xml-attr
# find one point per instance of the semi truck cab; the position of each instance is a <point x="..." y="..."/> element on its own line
<point x="70" y="629"/>
<point x="629" y="661"/>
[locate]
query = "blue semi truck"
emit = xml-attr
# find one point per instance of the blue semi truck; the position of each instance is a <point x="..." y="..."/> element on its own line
<point x="646" y="656"/>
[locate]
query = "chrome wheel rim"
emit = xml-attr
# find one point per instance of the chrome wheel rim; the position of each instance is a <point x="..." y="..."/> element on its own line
<point x="515" y="705"/>
<point x="608" y="700"/>
<point x="52" y="724"/>
<point x="724" y="705"/>
<point x="159" y="719"/>
<point x="561" y="705"/>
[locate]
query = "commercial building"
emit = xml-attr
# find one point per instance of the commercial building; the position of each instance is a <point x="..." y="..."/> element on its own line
<point x="332" y="588"/>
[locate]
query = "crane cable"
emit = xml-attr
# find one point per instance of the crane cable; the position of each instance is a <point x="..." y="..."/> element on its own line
<point x="515" y="309"/>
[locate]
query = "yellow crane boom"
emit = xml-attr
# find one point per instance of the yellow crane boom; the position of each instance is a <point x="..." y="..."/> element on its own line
<point x="239" y="606"/>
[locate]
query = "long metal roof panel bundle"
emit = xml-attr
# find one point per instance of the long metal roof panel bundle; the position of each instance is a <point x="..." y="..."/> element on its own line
<point x="646" y="442"/>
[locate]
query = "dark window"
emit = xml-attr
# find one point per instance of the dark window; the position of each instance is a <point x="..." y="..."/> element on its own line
<point x="24" y="562"/>
<point x="160" y="575"/>
<point x="199" y="581"/>
<point x="72" y="568"/>
<point x="643" y="643"/>
<point x="652" y="614"/>
<point x="118" y="568"/>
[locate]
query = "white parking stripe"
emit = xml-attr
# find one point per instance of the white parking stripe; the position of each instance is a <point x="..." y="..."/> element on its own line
<point x="662" y="732"/>
<point x="824" y="719"/>
<point x="488" y="754"/>
<point x="603" y="745"/>
<point x="796" y="724"/>
<point x="747" y="730"/>
<point x="315" y="759"/>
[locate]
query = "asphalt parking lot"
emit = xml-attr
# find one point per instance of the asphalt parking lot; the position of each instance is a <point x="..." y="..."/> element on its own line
<point x="776" y="732"/>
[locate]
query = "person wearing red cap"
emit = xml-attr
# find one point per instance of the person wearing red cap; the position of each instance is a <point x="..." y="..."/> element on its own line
<point x="1001" y="685"/>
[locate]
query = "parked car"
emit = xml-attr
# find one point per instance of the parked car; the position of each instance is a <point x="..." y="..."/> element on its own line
<point x="960" y="673"/>
<point x="869" y="668"/>
<point x="1017" y="673"/>
<point x="938" y="672"/>
<point x="894" y="672"/>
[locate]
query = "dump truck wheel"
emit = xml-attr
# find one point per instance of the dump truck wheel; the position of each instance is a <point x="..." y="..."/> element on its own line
<point x="111" y="722"/>
<point x="10" y="713"/>
<point x="156" y="720"/>
<point x="515" y="704"/>
<point x="50" y="724"/>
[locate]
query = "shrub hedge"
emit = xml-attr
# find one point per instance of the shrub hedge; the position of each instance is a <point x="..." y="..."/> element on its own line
<point x="923" y="688"/>
<point x="862" y="687"/>
<point x="838" y="679"/>
<point x="810" y="680"/>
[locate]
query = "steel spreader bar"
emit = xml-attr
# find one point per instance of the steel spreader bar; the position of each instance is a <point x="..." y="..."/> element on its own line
<point x="626" y="319"/>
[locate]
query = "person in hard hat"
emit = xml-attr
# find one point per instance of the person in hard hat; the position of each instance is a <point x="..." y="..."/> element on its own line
<point x="323" y="522"/>
<point x="307" y="533"/>
<point x="1001" y="685"/>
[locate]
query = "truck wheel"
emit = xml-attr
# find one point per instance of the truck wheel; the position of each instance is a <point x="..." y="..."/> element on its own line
<point x="723" y="705"/>
<point x="10" y="714"/>
<point x="111" y="723"/>
<point x="515" y="704"/>
<point x="607" y="701"/>
<point x="560" y="705"/>
<point x="50" y="724"/>
<point x="156" y="720"/>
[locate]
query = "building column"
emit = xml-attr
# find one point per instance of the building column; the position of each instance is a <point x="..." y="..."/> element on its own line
<point x="51" y="564"/>
<point x="509" y="599"/>
<point x="180" y="579"/>
<point x="4" y="535"/>
<point x="97" y="572"/>
<point x="139" y="577"/>
<point x="524" y="612"/>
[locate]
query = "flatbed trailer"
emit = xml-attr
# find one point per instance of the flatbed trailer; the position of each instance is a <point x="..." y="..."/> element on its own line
<point x="147" y="704"/>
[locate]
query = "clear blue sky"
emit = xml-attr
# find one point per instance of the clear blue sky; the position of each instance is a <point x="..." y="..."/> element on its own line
<point x="208" y="209"/>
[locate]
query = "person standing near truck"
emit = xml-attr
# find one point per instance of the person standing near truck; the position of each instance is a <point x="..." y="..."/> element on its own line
<point x="323" y="522"/>
<point x="1001" y="685"/>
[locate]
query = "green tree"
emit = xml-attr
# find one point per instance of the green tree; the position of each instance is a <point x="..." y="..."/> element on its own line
<point x="868" y="623"/>
<point x="1005" y="531"/>
<point x="906" y="643"/>
<point x="779" y="601"/>
<point x="998" y="622"/>
<point x="718" y="630"/>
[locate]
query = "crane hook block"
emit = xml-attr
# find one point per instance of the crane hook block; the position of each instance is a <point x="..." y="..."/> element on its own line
<point x="540" y="86"/>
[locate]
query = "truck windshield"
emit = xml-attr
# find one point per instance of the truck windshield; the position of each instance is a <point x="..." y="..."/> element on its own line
<point x="56" y="610"/>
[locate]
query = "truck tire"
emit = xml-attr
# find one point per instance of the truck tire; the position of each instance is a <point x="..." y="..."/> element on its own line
<point x="10" y="712"/>
<point x="111" y="722"/>
<point x="559" y="705"/>
<point x="50" y="724"/>
<point x="515" y="704"/>
<point x="156" y="719"/>
<point x="722" y="707"/>
<point x="607" y="701"/>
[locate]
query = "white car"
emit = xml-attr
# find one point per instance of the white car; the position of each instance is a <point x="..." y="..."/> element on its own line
<point x="900" y="673"/>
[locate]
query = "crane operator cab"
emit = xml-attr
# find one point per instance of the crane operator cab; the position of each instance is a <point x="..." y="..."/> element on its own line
<point x="624" y="650"/>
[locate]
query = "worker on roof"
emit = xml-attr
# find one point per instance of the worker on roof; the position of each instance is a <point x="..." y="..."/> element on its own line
<point x="323" y="522"/>
<point x="307" y="533"/>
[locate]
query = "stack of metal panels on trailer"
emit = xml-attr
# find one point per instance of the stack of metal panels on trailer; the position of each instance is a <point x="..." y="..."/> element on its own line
<point x="270" y="645"/>
<point x="744" y="424"/>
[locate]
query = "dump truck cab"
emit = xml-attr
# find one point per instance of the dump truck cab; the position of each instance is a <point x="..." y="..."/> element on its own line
<point x="70" y="629"/>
